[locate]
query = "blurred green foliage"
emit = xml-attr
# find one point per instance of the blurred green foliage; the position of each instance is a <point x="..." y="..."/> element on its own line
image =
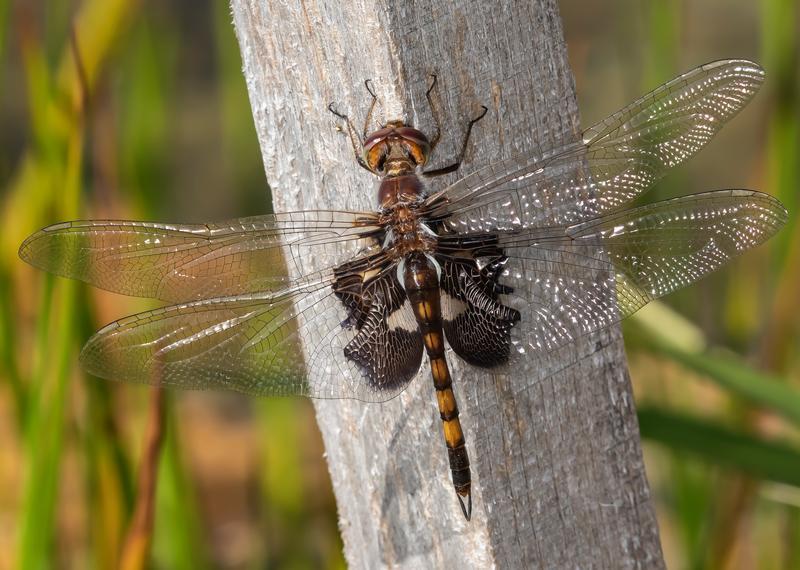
<point x="142" y="115"/>
<point x="120" y="108"/>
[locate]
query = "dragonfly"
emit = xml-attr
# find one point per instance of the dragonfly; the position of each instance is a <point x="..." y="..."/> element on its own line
<point x="503" y="266"/>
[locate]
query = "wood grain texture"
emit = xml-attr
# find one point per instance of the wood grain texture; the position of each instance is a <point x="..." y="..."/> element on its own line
<point x="558" y="473"/>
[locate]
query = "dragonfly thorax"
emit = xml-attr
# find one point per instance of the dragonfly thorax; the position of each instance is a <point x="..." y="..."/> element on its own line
<point x="402" y="189"/>
<point x="407" y="232"/>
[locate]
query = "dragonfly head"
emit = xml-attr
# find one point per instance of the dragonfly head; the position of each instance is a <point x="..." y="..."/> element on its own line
<point x="396" y="146"/>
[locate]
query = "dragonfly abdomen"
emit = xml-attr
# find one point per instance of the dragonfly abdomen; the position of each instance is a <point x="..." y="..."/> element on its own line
<point x="421" y="280"/>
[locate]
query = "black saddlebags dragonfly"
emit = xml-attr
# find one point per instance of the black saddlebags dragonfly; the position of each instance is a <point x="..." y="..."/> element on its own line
<point x="427" y="269"/>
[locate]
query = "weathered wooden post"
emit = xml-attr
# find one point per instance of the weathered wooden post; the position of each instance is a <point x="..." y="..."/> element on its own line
<point x="559" y="478"/>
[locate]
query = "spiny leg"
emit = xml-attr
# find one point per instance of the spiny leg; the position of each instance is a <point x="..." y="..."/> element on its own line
<point x="457" y="164"/>
<point x="371" y="109"/>
<point x="355" y="140"/>
<point x="436" y="120"/>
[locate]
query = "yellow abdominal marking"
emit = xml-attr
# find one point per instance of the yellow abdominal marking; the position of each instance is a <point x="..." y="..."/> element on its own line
<point x="441" y="375"/>
<point x="453" y="435"/>
<point x="424" y="310"/>
<point x="433" y="341"/>
<point x="447" y="402"/>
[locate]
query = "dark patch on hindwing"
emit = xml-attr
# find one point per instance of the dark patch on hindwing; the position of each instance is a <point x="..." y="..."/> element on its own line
<point x="388" y="346"/>
<point x="477" y="325"/>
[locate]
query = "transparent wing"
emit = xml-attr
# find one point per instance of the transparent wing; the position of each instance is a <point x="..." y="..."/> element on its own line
<point x="616" y="160"/>
<point x="596" y="273"/>
<point x="248" y="343"/>
<point x="180" y="262"/>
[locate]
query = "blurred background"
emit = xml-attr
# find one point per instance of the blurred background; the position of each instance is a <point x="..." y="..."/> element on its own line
<point x="154" y="123"/>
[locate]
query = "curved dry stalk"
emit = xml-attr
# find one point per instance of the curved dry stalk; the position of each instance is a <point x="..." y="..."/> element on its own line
<point x="136" y="547"/>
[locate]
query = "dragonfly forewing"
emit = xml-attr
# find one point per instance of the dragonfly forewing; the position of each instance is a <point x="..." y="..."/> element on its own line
<point x="617" y="160"/>
<point x="186" y="262"/>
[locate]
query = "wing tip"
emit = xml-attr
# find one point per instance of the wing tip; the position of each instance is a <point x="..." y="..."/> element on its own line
<point x="742" y="70"/>
<point x="780" y="210"/>
<point x="26" y="251"/>
<point x="744" y="64"/>
<point x="773" y="203"/>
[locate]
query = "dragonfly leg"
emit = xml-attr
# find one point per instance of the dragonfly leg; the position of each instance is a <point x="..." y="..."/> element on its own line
<point x="436" y="119"/>
<point x="368" y="85"/>
<point x="457" y="164"/>
<point x="355" y="140"/>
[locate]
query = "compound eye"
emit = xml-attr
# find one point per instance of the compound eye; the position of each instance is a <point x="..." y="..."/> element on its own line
<point x="375" y="157"/>
<point x="413" y="135"/>
<point x="376" y="137"/>
<point x="417" y="144"/>
<point x="375" y="148"/>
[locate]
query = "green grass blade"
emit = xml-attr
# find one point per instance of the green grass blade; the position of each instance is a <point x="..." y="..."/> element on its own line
<point x="715" y="443"/>
<point x="46" y="425"/>
<point x="8" y="356"/>
<point x="780" y="49"/>
<point x="241" y="156"/>
<point x="45" y="442"/>
<point x="729" y="372"/>
<point x="177" y="542"/>
<point x="682" y="342"/>
<point x="109" y="479"/>
<point x="145" y="130"/>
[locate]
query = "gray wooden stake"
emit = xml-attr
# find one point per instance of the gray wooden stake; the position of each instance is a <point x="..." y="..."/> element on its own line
<point x="558" y="474"/>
